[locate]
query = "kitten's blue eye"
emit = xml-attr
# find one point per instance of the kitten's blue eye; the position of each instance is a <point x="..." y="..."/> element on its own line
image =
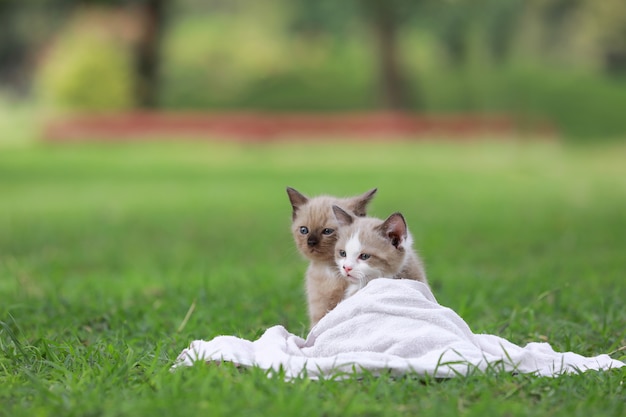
<point x="342" y="253"/>
<point x="328" y="231"/>
<point x="304" y="230"/>
<point x="364" y="256"/>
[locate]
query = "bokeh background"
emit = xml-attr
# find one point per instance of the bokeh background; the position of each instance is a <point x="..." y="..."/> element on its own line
<point x="560" y="62"/>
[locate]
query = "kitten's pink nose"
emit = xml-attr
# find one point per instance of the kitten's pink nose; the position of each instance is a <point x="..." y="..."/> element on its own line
<point x="347" y="268"/>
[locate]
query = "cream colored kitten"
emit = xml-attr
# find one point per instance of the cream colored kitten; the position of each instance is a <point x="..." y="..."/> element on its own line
<point x="314" y="230"/>
<point x="369" y="248"/>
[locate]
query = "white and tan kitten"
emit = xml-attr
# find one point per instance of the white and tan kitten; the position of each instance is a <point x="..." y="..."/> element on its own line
<point x="368" y="248"/>
<point x="314" y="229"/>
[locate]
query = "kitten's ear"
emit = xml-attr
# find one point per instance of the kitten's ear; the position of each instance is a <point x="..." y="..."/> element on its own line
<point x="394" y="228"/>
<point x="358" y="204"/>
<point x="296" y="200"/>
<point x="343" y="217"/>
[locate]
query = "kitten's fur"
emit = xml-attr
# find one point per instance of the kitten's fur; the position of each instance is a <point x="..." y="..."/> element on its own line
<point x="314" y="230"/>
<point x="369" y="248"/>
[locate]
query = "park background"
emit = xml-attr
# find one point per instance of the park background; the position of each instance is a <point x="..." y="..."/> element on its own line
<point x="546" y="63"/>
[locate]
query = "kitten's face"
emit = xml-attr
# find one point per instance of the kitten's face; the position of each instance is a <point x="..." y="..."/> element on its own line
<point x="314" y="226"/>
<point x="369" y="248"/>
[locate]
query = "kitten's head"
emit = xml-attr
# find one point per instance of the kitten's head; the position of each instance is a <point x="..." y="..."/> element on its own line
<point x="369" y="248"/>
<point x="314" y="225"/>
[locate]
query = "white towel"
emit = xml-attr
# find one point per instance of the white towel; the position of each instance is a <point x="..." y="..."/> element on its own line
<point x="392" y="326"/>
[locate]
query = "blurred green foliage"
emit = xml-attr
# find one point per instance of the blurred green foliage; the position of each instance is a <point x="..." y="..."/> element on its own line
<point x="254" y="68"/>
<point x="542" y="60"/>
<point x="87" y="72"/>
<point x="554" y="60"/>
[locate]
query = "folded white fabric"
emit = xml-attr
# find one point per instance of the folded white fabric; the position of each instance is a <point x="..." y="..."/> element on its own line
<point x="393" y="326"/>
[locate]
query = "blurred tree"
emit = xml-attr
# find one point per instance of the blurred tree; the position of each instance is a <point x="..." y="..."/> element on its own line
<point x="12" y="47"/>
<point x="148" y="55"/>
<point x="502" y="23"/>
<point x="87" y="70"/>
<point x="451" y="22"/>
<point x="25" y="27"/>
<point x="147" y="46"/>
<point x="608" y="19"/>
<point x="598" y="25"/>
<point x="385" y="19"/>
<point x="457" y="23"/>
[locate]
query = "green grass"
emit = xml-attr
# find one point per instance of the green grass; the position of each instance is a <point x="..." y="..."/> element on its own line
<point x="103" y="249"/>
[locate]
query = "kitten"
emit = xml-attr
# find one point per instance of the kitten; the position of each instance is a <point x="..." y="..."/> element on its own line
<point x="369" y="248"/>
<point x="314" y="229"/>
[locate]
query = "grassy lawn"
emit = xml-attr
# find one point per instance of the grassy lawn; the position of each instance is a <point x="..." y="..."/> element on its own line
<point x="104" y="249"/>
